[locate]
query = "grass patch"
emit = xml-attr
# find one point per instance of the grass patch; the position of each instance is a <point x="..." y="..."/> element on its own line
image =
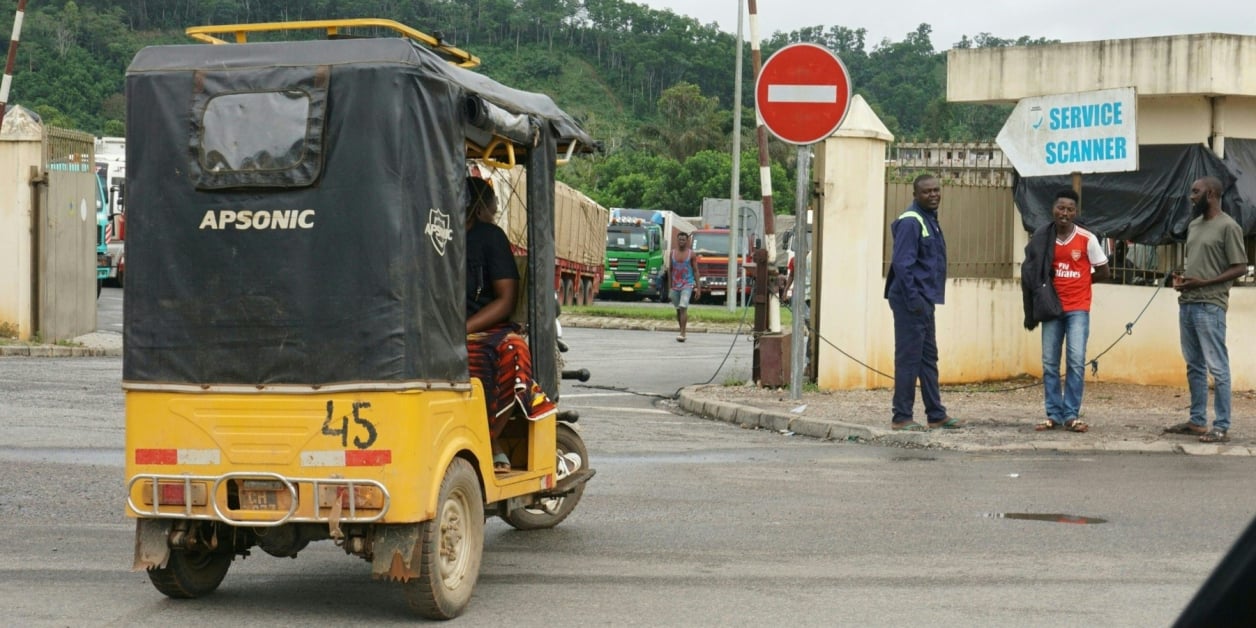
<point x="665" y="312"/>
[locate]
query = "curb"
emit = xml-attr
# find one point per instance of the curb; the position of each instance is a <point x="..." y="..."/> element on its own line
<point x="56" y="351"/>
<point x="826" y="429"/>
<point x="602" y="322"/>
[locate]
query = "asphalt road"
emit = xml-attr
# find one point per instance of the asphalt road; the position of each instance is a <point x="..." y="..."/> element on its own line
<point x="688" y="522"/>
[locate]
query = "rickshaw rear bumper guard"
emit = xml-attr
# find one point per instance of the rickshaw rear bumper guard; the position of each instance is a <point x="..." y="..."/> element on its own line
<point x="568" y="484"/>
<point x="332" y="515"/>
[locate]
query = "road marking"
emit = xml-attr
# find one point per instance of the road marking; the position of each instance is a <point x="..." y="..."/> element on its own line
<point x="628" y="410"/>
<point x="802" y="93"/>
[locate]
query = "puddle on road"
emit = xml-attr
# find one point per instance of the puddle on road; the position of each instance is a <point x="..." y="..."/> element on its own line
<point x="1054" y="517"/>
<point x="109" y="457"/>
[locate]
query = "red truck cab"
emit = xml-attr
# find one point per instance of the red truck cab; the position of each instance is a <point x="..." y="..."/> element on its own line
<point x="711" y="251"/>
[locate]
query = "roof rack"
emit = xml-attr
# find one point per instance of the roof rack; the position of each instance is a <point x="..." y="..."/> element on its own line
<point x="454" y="55"/>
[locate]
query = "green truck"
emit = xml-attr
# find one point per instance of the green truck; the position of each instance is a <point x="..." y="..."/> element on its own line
<point x="637" y="242"/>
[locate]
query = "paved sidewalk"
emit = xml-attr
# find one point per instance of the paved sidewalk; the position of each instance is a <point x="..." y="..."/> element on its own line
<point x="95" y="344"/>
<point x="1000" y="417"/>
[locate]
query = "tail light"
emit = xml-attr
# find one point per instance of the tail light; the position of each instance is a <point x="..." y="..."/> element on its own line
<point x="367" y="497"/>
<point x="175" y="493"/>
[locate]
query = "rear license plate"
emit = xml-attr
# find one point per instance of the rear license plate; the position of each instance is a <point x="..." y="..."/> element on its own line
<point x="259" y="500"/>
<point x="264" y="495"/>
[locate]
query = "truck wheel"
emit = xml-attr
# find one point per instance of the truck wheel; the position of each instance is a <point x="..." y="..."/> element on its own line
<point x="450" y="547"/>
<point x="590" y="291"/>
<point x="192" y="573"/>
<point x="567" y="297"/>
<point x="572" y="456"/>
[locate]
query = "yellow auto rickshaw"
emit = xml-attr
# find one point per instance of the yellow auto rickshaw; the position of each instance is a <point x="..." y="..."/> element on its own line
<point x="295" y="366"/>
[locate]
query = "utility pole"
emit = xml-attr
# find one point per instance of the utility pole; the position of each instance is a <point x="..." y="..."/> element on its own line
<point x="735" y="192"/>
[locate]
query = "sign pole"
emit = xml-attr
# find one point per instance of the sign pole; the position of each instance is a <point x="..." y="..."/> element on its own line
<point x="1077" y="188"/>
<point x="798" y="304"/>
<point x="734" y="193"/>
<point x="802" y="95"/>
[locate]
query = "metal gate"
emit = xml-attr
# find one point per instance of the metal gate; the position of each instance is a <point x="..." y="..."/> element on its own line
<point x="978" y="214"/>
<point x="64" y="245"/>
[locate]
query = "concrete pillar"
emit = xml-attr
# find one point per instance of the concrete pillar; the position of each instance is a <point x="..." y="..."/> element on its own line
<point x="850" y="227"/>
<point x="21" y="140"/>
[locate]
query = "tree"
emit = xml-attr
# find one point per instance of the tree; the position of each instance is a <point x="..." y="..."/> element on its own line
<point x="687" y="122"/>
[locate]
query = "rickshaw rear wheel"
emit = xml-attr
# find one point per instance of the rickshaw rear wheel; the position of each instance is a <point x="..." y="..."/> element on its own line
<point x="572" y="456"/>
<point x="450" y="547"/>
<point x="191" y="573"/>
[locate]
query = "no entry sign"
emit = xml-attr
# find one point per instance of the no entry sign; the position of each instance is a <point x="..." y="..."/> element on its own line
<point x="802" y="93"/>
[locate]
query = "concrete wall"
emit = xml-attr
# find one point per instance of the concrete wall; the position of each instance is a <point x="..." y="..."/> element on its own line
<point x="1174" y="120"/>
<point x="20" y="145"/>
<point x="1191" y="88"/>
<point x="1195" y="118"/>
<point x="47" y="231"/>
<point x="1211" y="64"/>
<point x="980" y="332"/>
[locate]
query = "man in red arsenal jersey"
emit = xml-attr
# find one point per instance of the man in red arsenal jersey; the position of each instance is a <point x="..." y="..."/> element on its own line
<point x="1077" y="261"/>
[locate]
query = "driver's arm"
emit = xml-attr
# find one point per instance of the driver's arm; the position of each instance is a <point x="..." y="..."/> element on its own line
<point x="497" y="310"/>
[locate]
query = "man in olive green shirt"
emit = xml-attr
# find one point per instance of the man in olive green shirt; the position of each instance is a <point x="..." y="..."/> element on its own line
<point x="1215" y="257"/>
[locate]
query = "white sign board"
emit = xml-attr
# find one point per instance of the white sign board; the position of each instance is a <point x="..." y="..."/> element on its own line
<point x="1066" y="133"/>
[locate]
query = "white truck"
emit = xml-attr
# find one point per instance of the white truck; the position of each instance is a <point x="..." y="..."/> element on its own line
<point x="111" y="165"/>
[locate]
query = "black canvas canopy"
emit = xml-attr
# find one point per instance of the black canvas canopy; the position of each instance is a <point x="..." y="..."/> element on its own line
<point x="295" y="209"/>
<point x="1150" y="205"/>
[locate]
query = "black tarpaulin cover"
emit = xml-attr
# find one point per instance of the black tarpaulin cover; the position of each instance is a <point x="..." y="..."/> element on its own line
<point x="1149" y="206"/>
<point x="1240" y="200"/>
<point x="295" y="211"/>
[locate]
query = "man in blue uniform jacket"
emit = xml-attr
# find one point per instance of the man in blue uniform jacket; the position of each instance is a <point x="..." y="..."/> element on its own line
<point x="915" y="284"/>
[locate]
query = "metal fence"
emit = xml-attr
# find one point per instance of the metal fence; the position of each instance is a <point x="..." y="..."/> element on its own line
<point x="978" y="221"/>
<point x="1147" y="265"/>
<point x="68" y="150"/>
<point x="979" y="216"/>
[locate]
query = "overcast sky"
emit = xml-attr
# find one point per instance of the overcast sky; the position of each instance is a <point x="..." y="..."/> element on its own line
<point x="1066" y="20"/>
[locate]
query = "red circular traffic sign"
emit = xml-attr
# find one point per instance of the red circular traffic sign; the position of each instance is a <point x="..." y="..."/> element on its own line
<point x="802" y="93"/>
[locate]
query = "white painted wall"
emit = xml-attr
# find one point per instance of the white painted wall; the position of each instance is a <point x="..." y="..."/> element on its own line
<point x="1238" y="116"/>
<point x="1174" y="120"/>
<point x="1208" y="63"/>
<point x="981" y="336"/>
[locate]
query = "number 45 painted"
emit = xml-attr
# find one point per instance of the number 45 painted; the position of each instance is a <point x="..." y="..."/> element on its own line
<point x="343" y="430"/>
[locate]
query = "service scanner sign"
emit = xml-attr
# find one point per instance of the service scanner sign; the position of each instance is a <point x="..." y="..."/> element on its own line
<point x="1066" y="133"/>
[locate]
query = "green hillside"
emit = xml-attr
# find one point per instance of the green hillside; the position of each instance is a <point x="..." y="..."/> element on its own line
<point x="655" y="88"/>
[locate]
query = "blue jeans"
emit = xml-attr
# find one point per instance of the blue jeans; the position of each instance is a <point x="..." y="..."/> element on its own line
<point x="1202" y="329"/>
<point x="1073" y="328"/>
<point x="915" y="358"/>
